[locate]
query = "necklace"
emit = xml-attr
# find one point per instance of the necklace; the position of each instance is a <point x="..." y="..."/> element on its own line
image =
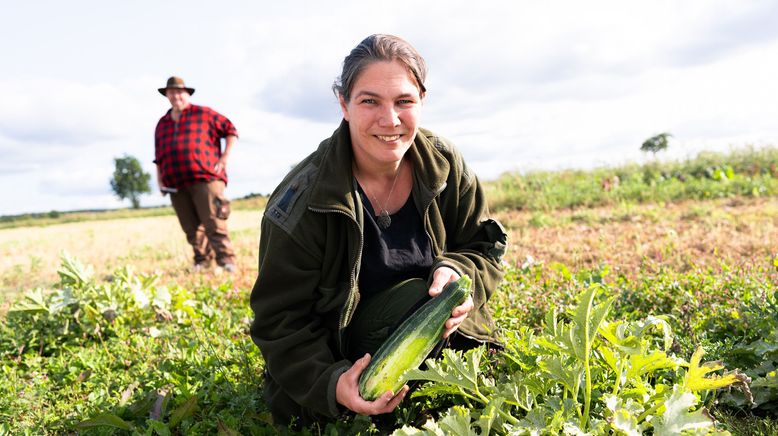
<point x="383" y="219"/>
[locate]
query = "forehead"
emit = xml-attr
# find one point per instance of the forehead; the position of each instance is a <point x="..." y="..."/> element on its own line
<point x="385" y="77"/>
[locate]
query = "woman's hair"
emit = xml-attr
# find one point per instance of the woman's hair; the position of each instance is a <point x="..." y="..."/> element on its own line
<point x="379" y="48"/>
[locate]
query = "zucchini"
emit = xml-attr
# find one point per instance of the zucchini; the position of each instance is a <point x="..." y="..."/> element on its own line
<point x="413" y="340"/>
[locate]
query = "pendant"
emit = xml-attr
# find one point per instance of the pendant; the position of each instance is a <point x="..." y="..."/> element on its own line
<point x="384" y="220"/>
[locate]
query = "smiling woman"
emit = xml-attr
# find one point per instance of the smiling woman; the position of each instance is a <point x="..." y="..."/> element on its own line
<point x="360" y="234"/>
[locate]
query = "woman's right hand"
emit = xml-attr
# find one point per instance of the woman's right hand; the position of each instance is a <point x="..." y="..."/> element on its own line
<point x="347" y="392"/>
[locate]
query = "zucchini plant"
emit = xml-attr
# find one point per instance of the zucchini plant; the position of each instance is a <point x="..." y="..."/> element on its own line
<point x="580" y="375"/>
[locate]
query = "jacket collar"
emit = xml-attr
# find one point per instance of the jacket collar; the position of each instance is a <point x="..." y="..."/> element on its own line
<point x="335" y="186"/>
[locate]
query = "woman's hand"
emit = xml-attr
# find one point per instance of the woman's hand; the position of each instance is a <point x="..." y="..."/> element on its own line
<point x="440" y="278"/>
<point x="347" y="392"/>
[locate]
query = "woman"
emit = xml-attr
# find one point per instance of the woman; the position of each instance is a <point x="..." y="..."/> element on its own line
<point x="376" y="221"/>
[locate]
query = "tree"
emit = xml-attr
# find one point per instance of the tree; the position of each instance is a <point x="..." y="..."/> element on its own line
<point x="655" y="143"/>
<point x="129" y="180"/>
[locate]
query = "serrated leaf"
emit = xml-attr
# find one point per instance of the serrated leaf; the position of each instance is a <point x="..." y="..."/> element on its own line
<point x="696" y="379"/>
<point x="677" y="418"/>
<point x="656" y="322"/>
<point x="413" y="431"/>
<point x="569" y="375"/>
<point x="61" y="299"/>
<point x="72" y="272"/>
<point x="106" y="420"/>
<point x="457" y="421"/>
<point x="33" y="302"/>
<point x="617" y="334"/>
<point x="435" y="389"/>
<point x="640" y="365"/>
<point x="517" y="394"/>
<point x="587" y="320"/>
<point x="451" y="370"/>
<point x="625" y="423"/>
<point x="624" y="414"/>
<point x="490" y="417"/>
<point x="533" y="423"/>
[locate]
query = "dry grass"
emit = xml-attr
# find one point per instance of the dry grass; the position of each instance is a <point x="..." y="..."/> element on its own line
<point x="29" y="256"/>
<point x="677" y="236"/>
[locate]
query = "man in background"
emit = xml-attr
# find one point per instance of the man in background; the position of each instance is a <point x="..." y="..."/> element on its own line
<point x="192" y="168"/>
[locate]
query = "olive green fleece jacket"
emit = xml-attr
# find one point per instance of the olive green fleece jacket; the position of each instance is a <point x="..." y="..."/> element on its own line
<point x="310" y="250"/>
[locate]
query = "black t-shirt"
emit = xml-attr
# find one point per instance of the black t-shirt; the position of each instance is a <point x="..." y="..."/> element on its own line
<point x="401" y="251"/>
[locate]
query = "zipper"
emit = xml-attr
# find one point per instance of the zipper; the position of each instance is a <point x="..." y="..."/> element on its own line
<point x="438" y="251"/>
<point x="353" y="295"/>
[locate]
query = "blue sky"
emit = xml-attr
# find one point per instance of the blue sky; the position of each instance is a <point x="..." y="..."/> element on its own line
<point x="517" y="85"/>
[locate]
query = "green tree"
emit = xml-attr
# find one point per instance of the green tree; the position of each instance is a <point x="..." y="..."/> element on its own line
<point x="129" y="180"/>
<point x="655" y="143"/>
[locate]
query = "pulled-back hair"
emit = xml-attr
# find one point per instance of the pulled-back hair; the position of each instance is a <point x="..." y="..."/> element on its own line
<point x="375" y="48"/>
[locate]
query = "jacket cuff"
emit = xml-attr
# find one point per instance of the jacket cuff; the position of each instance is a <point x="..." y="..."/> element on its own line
<point x="448" y="263"/>
<point x="333" y="407"/>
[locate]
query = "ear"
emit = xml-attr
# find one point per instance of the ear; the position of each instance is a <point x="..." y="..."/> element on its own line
<point x="343" y="106"/>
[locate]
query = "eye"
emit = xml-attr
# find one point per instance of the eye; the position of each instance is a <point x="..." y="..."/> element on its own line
<point x="368" y="101"/>
<point x="405" y="102"/>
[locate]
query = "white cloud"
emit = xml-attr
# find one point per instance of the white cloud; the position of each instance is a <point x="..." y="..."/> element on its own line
<point x="516" y="85"/>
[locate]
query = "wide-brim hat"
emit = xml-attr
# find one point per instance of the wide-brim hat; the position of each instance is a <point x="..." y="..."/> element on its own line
<point x="175" y="82"/>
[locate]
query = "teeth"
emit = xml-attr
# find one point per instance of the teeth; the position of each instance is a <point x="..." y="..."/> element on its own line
<point x="389" y="138"/>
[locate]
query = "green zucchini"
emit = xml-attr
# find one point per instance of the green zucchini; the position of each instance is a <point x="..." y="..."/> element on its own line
<point x="413" y="340"/>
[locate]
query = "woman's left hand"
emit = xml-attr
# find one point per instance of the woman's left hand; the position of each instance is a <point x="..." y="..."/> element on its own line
<point x="440" y="278"/>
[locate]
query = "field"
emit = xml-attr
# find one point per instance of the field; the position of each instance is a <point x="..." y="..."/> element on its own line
<point x="143" y="345"/>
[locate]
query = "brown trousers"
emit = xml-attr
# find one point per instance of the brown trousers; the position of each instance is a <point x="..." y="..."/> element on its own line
<point x="196" y="208"/>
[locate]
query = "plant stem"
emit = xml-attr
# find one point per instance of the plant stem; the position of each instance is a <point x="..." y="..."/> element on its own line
<point x="588" y="391"/>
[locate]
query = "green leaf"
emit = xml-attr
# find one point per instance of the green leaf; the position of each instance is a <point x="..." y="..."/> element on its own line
<point x="490" y="417"/>
<point x="159" y="427"/>
<point x="624" y="415"/>
<point x="225" y="430"/>
<point x="183" y="411"/>
<point x="62" y="299"/>
<point x="640" y="365"/>
<point x="677" y="417"/>
<point x="770" y="380"/>
<point x="660" y="323"/>
<point x="452" y="370"/>
<point x="457" y="421"/>
<point x="72" y="272"/>
<point x="625" y="423"/>
<point x="517" y="394"/>
<point x="696" y="379"/>
<point x="106" y="420"/>
<point x="33" y="302"/>
<point x="412" y="431"/>
<point x="570" y="375"/>
<point x="533" y="423"/>
<point x="588" y="318"/>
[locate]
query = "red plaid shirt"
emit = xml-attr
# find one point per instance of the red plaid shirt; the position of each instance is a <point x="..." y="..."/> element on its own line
<point x="186" y="151"/>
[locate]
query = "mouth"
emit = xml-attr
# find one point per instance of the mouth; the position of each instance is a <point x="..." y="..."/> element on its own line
<point x="388" y="138"/>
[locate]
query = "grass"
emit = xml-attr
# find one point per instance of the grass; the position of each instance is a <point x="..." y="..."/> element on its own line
<point x="710" y="264"/>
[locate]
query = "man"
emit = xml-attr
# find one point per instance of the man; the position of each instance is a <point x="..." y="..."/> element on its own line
<point x="192" y="167"/>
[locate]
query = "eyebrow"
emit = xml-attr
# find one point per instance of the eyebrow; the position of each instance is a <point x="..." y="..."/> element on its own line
<point x="373" y="94"/>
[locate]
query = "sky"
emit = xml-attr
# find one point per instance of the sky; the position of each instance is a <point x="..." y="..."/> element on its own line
<point x="516" y="85"/>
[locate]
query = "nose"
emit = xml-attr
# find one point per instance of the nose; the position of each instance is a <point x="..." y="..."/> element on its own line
<point x="389" y="117"/>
